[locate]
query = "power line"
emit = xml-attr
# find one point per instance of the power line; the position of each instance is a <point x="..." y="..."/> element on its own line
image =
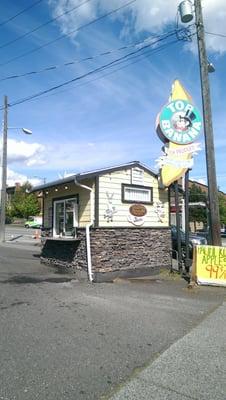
<point x="43" y="25"/>
<point x="204" y="177"/>
<point x="99" y="69"/>
<point x="142" y="56"/>
<point x="21" y="12"/>
<point x="73" y="62"/>
<point x="102" y="76"/>
<point x="216" y="34"/>
<point x="68" y="34"/>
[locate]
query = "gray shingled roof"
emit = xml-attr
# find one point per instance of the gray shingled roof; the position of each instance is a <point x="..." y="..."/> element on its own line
<point x="93" y="174"/>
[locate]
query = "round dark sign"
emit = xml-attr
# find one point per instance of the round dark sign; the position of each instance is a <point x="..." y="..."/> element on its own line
<point x="138" y="210"/>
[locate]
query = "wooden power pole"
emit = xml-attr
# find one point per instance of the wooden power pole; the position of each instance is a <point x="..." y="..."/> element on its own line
<point x="3" y="171"/>
<point x="208" y="130"/>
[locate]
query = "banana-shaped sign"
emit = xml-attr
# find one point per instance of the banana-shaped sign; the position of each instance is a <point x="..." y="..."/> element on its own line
<point x="178" y="126"/>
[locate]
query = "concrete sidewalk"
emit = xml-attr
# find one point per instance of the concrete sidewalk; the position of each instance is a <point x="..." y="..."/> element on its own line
<point x="192" y="368"/>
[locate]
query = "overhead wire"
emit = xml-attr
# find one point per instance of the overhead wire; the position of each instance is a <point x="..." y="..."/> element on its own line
<point x="69" y="33"/>
<point x="43" y="25"/>
<point x="216" y="34"/>
<point x="20" y="12"/>
<point x="87" y="74"/>
<point x="76" y="61"/>
<point x="142" y="56"/>
<point x="98" y="77"/>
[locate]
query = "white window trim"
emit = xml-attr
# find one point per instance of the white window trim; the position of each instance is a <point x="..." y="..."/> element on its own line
<point x="140" y="188"/>
<point x="75" y="217"/>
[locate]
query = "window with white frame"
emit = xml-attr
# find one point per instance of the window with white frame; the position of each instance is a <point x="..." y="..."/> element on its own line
<point x="136" y="194"/>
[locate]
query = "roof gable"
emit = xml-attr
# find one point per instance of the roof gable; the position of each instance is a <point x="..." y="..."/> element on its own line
<point x="92" y="174"/>
<point x="108" y="170"/>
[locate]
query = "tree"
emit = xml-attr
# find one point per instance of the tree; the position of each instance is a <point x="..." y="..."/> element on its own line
<point x="222" y="208"/>
<point x="24" y="204"/>
<point x="197" y="213"/>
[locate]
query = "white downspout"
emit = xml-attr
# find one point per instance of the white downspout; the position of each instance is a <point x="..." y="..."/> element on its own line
<point x="88" y="247"/>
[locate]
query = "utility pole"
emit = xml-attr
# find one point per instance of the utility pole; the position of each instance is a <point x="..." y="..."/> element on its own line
<point x="208" y="130"/>
<point x="177" y="205"/>
<point x="3" y="171"/>
<point x="187" y="250"/>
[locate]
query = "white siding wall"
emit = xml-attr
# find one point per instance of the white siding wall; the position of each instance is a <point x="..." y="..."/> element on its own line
<point x="111" y="184"/>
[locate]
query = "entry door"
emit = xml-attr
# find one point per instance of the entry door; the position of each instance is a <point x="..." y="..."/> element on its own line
<point x="65" y="217"/>
<point x="71" y="216"/>
<point x="58" y="229"/>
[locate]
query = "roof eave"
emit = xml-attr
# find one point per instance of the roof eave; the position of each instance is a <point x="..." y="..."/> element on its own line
<point x="93" y="174"/>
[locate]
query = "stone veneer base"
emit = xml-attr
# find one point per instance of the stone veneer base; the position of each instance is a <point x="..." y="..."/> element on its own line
<point x="116" y="252"/>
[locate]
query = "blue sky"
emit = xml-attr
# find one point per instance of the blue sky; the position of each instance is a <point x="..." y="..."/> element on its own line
<point x="102" y="120"/>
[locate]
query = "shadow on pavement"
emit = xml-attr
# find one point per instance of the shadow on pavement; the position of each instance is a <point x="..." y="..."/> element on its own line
<point x="23" y="279"/>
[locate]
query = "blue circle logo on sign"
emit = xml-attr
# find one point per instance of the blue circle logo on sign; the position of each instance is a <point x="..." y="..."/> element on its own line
<point x="180" y="122"/>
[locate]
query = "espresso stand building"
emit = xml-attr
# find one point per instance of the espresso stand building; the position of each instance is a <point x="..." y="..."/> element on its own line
<point x="108" y="223"/>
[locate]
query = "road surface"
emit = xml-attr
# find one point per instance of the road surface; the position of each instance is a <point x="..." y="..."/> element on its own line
<point x="64" y="339"/>
<point x="20" y="234"/>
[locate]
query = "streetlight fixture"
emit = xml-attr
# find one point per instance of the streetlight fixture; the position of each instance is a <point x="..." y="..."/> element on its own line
<point x="4" y="167"/>
<point x="211" y="67"/>
<point x="25" y="130"/>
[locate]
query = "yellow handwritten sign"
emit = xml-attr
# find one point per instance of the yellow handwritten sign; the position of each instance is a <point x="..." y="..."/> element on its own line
<point x="209" y="265"/>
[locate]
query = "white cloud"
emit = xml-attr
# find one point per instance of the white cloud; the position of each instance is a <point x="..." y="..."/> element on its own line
<point x="15" y="177"/>
<point x="29" y="154"/>
<point x="72" y="157"/>
<point x="145" y="15"/>
<point x="65" y="174"/>
<point x="214" y="20"/>
<point x="199" y="180"/>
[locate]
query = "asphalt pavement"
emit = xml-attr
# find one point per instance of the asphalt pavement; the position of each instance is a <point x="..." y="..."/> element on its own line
<point x="64" y="339"/>
<point x="19" y="234"/>
<point x="192" y="368"/>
